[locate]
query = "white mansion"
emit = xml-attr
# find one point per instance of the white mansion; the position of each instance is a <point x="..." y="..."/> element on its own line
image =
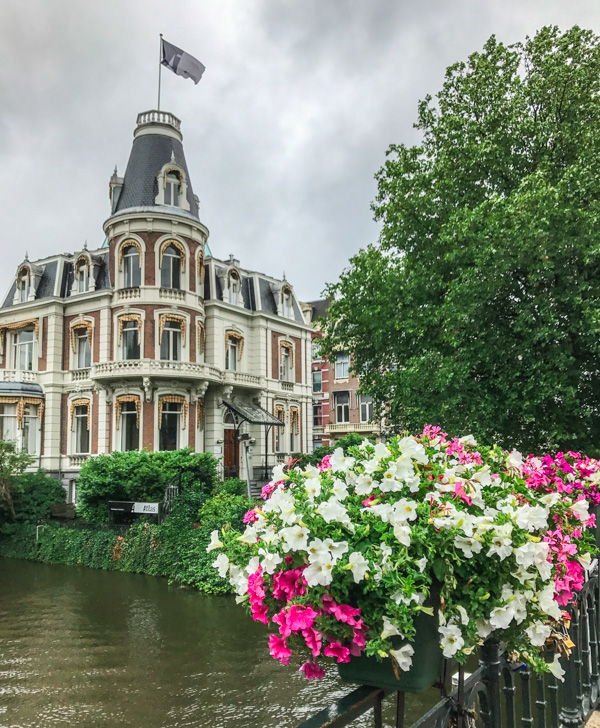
<point x="150" y="341"/>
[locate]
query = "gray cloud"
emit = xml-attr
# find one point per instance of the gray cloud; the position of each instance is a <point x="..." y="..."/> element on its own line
<point x="282" y="136"/>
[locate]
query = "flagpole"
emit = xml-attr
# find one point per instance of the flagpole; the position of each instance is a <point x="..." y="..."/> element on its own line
<point x="159" y="69"/>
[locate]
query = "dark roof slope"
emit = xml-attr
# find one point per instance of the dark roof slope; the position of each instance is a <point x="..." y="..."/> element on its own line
<point x="149" y="154"/>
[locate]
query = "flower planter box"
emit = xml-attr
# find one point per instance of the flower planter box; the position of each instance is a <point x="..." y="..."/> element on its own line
<point x="596" y="511"/>
<point x="426" y="669"/>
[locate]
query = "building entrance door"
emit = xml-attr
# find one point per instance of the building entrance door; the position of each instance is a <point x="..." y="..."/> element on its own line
<point x="231" y="454"/>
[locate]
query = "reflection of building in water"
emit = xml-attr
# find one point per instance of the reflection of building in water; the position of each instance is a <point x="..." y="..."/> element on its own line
<point x="150" y="341"/>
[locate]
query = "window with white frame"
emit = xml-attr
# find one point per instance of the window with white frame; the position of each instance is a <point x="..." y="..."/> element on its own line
<point x="23" y="350"/>
<point x="170" y="343"/>
<point x="29" y="434"/>
<point x="342" y="407"/>
<point x="342" y="361"/>
<point x="23" y="287"/>
<point x="366" y="408"/>
<point x="132" y="273"/>
<point x="8" y="422"/>
<point x="130" y="342"/>
<point x="82" y="349"/>
<point x="285" y="373"/>
<point x="315" y="349"/>
<point x="317" y="381"/>
<point x="172" y="189"/>
<point x="170" y="269"/>
<point x="231" y="354"/>
<point x="81" y="278"/>
<point x="129" y="428"/>
<point x="168" y="434"/>
<point x="81" y="429"/>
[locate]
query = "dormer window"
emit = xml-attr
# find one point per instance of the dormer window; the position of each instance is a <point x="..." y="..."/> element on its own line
<point x="287" y="303"/>
<point x="234" y="288"/>
<point x="82" y="278"/>
<point x="172" y="190"/>
<point x="131" y="267"/>
<point x="24" y="287"/>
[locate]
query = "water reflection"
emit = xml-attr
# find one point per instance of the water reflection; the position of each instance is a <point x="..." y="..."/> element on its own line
<point x="80" y="647"/>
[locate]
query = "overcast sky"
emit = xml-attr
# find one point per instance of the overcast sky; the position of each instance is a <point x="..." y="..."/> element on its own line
<point x="283" y="134"/>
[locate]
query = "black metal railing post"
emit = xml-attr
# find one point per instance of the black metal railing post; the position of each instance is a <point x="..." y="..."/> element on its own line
<point x="490" y="662"/>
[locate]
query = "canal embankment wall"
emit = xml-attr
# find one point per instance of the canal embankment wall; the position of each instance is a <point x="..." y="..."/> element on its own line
<point x="175" y="549"/>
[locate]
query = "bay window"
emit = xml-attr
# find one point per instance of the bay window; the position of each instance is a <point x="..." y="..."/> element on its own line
<point x="170" y="343"/>
<point x="170" y="268"/>
<point x="131" y="267"/>
<point x="130" y="340"/>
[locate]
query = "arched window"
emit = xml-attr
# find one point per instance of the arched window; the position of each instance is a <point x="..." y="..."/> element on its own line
<point x="132" y="273"/>
<point x="170" y="268"/>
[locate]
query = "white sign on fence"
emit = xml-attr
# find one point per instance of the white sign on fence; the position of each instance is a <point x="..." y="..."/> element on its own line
<point x="145" y="508"/>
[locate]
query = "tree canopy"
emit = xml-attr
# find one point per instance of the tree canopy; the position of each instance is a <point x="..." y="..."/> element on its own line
<point x="478" y="309"/>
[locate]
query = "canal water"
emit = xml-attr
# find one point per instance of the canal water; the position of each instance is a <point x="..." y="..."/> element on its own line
<point x="87" y="648"/>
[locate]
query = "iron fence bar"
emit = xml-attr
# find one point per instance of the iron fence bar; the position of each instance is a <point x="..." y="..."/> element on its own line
<point x="553" y="700"/>
<point x="526" y="714"/>
<point x="509" y="691"/>
<point x="540" y="703"/>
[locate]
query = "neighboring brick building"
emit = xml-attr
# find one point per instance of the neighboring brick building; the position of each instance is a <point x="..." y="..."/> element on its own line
<point x="150" y="341"/>
<point x="337" y="408"/>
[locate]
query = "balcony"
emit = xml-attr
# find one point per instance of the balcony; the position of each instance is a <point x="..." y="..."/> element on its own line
<point x="129" y="294"/>
<point x="345" y="427"/>
<point x="287" y="386"/>
<point x="18" y="375"/>
<point x="242" y="379"/>
<point x="171" y="294"/>
<point x="76" y="461"/>
<point x="80" y="375"/>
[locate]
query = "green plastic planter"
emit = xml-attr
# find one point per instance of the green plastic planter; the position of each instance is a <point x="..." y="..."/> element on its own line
<point x="596" y="511"/>
<point x="426" y="669"/>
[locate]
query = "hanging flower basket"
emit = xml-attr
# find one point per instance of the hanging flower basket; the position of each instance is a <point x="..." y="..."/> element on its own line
<point x="341" y="560"/>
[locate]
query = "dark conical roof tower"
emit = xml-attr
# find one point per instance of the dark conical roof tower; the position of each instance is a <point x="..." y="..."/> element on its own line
<point x="156" y="144"/>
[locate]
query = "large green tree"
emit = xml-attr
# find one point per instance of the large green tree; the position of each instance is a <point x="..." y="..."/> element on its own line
<point x="479" y="309"/>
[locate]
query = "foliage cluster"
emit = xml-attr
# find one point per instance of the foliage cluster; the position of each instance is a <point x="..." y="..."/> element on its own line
<point x="140" y="476"/>
<point x="175" y="549"/>
<point x="13" y="463"/>
<point x="480" y="306"/>
<point x="34" y="494"/>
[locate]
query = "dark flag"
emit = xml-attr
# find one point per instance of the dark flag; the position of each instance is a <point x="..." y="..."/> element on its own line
<point x="181" y="62"/>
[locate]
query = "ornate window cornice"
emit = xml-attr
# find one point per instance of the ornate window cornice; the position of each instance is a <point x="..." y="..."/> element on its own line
<point x="82" y="402"/>
<point x="127" y="398"/>
<point x="174" y="399"/>
<point x="176" y="244"/>
<point x="175" y="317"/>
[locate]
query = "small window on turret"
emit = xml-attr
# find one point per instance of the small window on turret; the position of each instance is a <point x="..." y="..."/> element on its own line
<point x="24" y="288"/>
<point x="172" y="190"/>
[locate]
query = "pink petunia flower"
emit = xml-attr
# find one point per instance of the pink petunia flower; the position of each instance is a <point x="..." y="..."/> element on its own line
<point x="279" y="649"/>
<point x="312" y="671"/>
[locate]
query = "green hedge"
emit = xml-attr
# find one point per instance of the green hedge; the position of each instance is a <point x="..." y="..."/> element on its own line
<point x="33" y="496"/>
<point x="140" y="476"/>
<point x="314" y="457"/>
<point x="176" y="549"/>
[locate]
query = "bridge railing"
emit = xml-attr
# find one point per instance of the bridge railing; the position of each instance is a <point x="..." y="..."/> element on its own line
<point x="500" y="694"/>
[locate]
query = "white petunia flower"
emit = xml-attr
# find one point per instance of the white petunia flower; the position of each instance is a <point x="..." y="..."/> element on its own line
<point x="550" y="499"/>
<point x="333" y="510"/>
<point x="533" y="554"/>
<point x="409" y="446"/>
<point x="451" y="640"/>
<point x="484" y="629"/>
<point x="249" y="536"/>
<point x="318" y="551"/>
<point x="311" y="472"/>
<point x="319" y="573"/>
<point x="403" y="656"/>
<point x="404" y="510"/>
<point x="364" y="484"/>
<point x="469" y="546"/>
<point x="514" y="461"/>
<point x="547" y="603"/>
<point x="278" y="473"/>
<point x="585" y="560"/>
<point x="358" y="565"/>
<point x="336" y="548"/>
<point x="221" y="563"/>
<point x="252" y="565"/>
<point x="557" y="669"/>
<point x="403" y="533"/>
<point x="371" y="466"/>
<point x="295" y="538"/>
<point x="464" y="617"/>
<point x="532" y="518"/>
<point x="468" y="440"/>
<point x="313" y="488"/>
<point x="538" y="632"/>
<point x="581" y="509"/>
<point x="389" y="629"/>
<point x="381" y="451"/>
<point x="339" y="462"/>
<point x="215" y="542"/>
<point x="501" y="547"/>
<point x="270" y="561"/>
<point x="339" y="489"/>
<point x="422" y="563"/>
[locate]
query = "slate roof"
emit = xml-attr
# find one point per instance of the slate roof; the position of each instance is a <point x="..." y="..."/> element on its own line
<point x="319" y="307"/>
<point x="149" y="154"/>
<point x="20" y="389"/>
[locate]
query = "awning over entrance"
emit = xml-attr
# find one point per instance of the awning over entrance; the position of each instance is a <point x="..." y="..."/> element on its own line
<point x="253" y="414"/>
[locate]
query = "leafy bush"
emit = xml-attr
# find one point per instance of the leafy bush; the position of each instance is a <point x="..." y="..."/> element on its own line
<point x="232" y="486"/>
<point x="140" y="476"/>
<point x="33" y="496"/>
